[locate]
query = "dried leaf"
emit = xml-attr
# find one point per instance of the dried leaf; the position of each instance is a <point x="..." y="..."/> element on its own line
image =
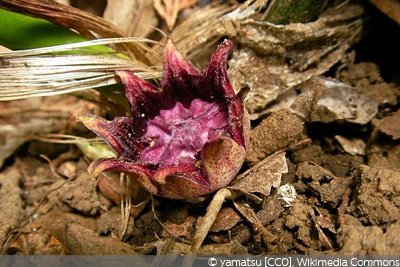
<point x="339" y="101"/>
<point x="78" y="240"/>
<point x="34" y="72"/>
<point x="136" y="18"/>
<point x="353" y="146"/>
<point x="261" y="177"/>
<point x="291" y="54"/>
<point x="226" y="219"/>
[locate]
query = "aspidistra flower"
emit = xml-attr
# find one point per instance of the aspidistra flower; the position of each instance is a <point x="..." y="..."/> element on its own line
<point x="184" y="140"/>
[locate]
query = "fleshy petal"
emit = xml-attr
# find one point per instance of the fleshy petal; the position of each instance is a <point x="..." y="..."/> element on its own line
<point x="119" y="133"/>
<point x="185" y="140"/>
<point x="221" y="161"/>
<point x="181" y="182"/>
<point x="145" y="99"/>
<point x="180" y="77"/>
<point x="215" y="81"/>
<point x="219" y="87"/>
<point x="140" y="172"/>
<point x="180" y="187"/>
<point x="237" y="119"/>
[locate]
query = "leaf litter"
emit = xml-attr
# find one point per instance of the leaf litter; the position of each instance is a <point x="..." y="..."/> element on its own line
<point x="323" y="124"/>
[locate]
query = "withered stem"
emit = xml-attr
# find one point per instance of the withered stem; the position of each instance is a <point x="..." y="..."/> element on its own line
<point x="209" y="218"/>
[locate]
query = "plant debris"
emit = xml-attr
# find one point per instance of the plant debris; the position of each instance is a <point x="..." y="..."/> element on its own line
<point x="322" y="170"/>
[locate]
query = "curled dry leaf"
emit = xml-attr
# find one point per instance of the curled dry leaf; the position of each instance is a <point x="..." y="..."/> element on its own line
<point x="290" y="54"/>
<point x="16" y="135"/>
<point x="79" y="240"/>
<point x="259" y="179"/>
<point x="353" y="146"/>
<point x="30" y="118"/>
<point x="337" y="101"/>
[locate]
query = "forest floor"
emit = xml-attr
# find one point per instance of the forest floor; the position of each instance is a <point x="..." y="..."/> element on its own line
<point x="335" y="187"/>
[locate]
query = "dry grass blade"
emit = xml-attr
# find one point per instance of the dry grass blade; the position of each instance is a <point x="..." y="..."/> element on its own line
<point x="64" y="139"/>
<point x="138" y="41"/>
<point x="203" y="27"/>
<point x="207" y="25"/>
<point x="85" y="23"/>
<point x="35" y="72"/>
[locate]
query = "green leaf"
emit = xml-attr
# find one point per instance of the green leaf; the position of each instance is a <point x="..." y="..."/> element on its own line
<point x="19" y="32"/>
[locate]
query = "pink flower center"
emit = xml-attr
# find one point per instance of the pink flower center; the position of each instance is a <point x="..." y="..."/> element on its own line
<point x="179" y="132"/>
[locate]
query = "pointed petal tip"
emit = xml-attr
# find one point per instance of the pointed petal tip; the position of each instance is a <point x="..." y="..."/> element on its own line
<point x="169" y="47"/>
<point x="94" y="170"/>
<point x="174" y="59"/>
<point x="89" y="120"/>
<point x="227" y="43"/>
<point x="124" y="75"/>
<point x="223" y="51"/>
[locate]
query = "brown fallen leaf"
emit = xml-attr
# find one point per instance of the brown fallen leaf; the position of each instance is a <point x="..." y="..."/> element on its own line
<point x="169" y="9"/>
<point x="276" y="58"/>
<point x="79" y="240"/>
<point x="261" y="177"/>
<point x="226" y="219"/>
<point x="353" y="146"/>
<point x="337" y="101"/>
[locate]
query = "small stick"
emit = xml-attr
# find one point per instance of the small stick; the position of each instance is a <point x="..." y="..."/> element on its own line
<point x="209" y="218"/>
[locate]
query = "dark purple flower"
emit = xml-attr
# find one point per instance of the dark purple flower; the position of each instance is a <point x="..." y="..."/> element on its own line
<point x="184" y="140"/>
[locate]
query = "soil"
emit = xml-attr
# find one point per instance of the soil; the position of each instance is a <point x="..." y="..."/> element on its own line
<point x="346" y="178"/>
